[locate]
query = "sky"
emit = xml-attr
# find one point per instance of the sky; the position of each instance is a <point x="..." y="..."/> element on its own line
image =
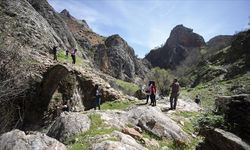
<point x="146" y="24"/>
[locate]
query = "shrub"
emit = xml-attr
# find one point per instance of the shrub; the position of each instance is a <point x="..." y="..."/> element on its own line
<point x="209" y="120"/>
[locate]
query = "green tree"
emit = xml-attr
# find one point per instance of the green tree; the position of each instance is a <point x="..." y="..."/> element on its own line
<point x="162" y="79"/>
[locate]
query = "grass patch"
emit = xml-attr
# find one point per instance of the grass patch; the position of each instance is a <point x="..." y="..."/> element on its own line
<point x="117" y="105"/>
<point x="82" y="141"/>
<point x="62" y="58"/>
<point x="127" y="87"/>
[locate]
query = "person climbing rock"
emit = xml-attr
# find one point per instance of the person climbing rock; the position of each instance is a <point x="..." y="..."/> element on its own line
<point x="152" y="93"/>
<point x="73" y="55"/>
<point x="97" y="97"/>
<point x="197" y="100"/>
<point x="147" y="91"/>
<point x="55" y="52"/>
<point x="175" y="88"/>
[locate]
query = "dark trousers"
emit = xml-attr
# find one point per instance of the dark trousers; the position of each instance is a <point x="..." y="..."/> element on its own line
<point x="55" y="56"/>
<point x="147" y="98"/>
<point x="173" y="101"/>
<point x="153" y="101"/>
<point x="73" y="59"/>
<point x="98" y="102"/>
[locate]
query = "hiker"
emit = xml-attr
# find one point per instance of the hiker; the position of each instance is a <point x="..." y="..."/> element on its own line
<point x="175" y="88"/>
<point x="67" y="53"/>
<point x="147" y="91"/>
<point x="55" y="52"/>
<point x="152" y="93"/>
<point x="65" y="106"/>
<point x="197" y="100"/>
<point x="97" y="97"/>
<point x="73" y="55"/>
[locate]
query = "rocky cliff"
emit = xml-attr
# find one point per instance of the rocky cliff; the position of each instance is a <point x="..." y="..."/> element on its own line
<point x="82" y="32"/>
<point x="55" y="21"/>
<point x="116" y="58"/>
<point x="181" y="42"/>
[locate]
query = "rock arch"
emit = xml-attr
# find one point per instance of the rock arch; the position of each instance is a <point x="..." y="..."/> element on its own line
<point x="39" y="102"/>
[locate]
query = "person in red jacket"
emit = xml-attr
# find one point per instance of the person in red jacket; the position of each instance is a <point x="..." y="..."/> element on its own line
<point x="153" y="93"/>
<point x="175" y="88"/>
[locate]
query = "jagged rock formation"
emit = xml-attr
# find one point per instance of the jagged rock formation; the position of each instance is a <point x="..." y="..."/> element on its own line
<point x="69" y="124"/>
<point x="55" y="21"/>
<point x="181" y="42"/>
<point x="17" y="139"/>
<point x="82" y="32"/>
<point x="118" y="59"/>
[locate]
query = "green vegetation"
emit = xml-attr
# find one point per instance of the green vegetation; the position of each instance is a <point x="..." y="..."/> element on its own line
<point x="162" y="79"/>
<point x="172" y="144"/>
<point x="209" y="120"/>
<point x="117" y="105"/>
<point x="209" y="91"/>
<point x="127" y="87"/>
<point x="62" y="58"/>
<point x="83" y="141"/>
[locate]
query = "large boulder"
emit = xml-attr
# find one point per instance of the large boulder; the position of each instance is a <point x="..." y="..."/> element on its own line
<point x="218" y="139"/>
<point x="122" y="142"/>
<point x="153" y="120"/>
<point x="236" y="110"/>
<point x="18" y="140"/>
<point x="148" y="118"/>
<point x="69" y="124"/>
<point x="181" y="43"/>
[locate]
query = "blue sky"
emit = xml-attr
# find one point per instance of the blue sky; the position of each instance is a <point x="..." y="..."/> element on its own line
<point x="146" y="24"/>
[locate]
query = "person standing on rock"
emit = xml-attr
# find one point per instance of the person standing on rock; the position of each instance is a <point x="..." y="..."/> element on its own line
<point x="55" y="52"/>
<point x="73" y="55"/>
<point x="175" y="88"/>
<point x="97" y="97"/>
<point x="147" y="91"/>
<point x="153" y="93"/>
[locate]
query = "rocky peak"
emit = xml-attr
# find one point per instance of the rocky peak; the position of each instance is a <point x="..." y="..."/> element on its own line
<point x="117" y="41"/>
<point x="65" y="13"/>
<point x="181" y="35"/>
<point x="181" y="42"/>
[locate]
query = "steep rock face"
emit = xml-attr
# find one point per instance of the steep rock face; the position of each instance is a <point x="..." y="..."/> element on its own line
<point x="118" y="59"/>
<point x="56" y="22"/>
<point x="181" y="42"/>
<point x="17" y="139"/>
<point x="25" y="27"/>
<point x="82" y="32"/>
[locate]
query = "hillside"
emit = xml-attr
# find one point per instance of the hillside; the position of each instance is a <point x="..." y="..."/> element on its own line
<point x="51" y="104"/>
